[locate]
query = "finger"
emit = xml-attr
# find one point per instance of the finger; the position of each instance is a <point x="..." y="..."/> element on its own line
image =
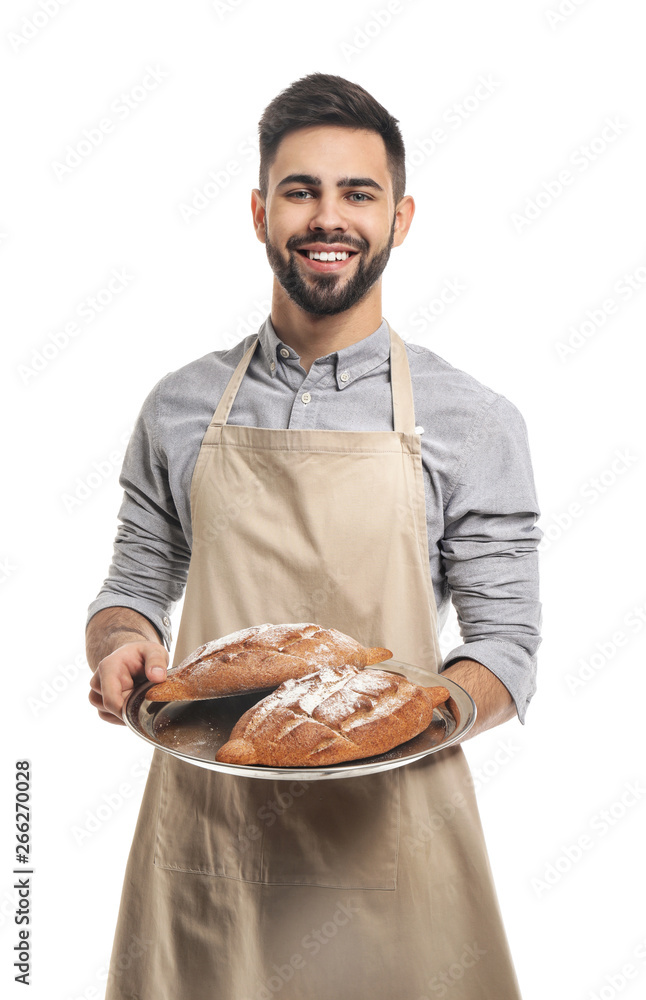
<point x="116" y="683"/>
<point x="109" y="717"/>
<point x="156" y="664"/>
<point x="96" y="699"/>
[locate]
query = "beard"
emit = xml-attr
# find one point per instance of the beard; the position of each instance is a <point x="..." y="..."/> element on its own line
<point x="327" y="294"/>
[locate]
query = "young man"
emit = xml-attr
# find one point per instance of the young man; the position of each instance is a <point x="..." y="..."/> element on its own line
<point x="327" y="467"/>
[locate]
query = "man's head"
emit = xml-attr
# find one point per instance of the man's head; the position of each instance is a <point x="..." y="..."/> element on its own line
<point x="332" y="179"/>
<point x="322" y="99"/>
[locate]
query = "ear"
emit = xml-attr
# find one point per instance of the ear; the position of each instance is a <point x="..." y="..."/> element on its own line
<point x="258" y="213"/>
<point x="403" y="217"/>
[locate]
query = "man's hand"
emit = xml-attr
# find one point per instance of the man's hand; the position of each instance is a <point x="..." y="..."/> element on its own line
<point x="123" y="649"/>
<point x="494" y="704"/>
<point x="118" y="673"/>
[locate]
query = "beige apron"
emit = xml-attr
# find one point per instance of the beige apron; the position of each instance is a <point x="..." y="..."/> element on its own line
<point x="373" y="887"/>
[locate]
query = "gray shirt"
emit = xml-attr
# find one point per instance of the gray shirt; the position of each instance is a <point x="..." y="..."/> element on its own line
<point x="481" y="506"/>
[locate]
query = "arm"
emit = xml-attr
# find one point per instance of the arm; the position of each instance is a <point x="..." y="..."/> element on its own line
<point x="494" y="704"/>
<point x="128" y="627"/>
<point x="123" y="649"/>
<point x="491" y="563"/>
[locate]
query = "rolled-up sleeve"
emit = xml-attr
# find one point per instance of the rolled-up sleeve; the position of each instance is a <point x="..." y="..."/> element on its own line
<point x="151" y="555"/>
<point x="489" y="551"/>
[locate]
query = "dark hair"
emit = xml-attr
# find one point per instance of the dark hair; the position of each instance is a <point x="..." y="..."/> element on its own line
<point x="322" y="99"/>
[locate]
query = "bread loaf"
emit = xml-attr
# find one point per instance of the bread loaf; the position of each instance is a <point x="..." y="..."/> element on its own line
<point x="336" y="714"/>
<point x="259" y="657"/>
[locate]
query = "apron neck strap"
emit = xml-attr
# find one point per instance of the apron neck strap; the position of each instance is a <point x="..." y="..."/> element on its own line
<point x="401" y="385"/>
<point x="221" y="414"/>
<point x="402" y="390"/>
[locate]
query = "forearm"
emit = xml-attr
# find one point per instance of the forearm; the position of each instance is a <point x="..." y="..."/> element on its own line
<point x="110" y="628"/>
<point x="494" y="704"/>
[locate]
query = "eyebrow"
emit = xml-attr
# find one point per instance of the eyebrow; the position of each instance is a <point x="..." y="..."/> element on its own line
<point x="316" y="181"/>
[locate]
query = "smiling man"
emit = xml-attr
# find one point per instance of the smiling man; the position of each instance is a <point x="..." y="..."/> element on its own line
<point x="322" y="470"/>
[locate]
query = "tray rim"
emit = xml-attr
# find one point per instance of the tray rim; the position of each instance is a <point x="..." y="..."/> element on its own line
<point x="347" y="769"/>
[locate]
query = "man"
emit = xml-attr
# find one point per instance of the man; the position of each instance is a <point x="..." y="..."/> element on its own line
<point x="328" y="468"/>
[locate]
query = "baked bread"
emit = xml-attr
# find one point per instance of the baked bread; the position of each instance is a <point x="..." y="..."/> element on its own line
<point x="260" y="657"/>
<point x="335" y="714"/>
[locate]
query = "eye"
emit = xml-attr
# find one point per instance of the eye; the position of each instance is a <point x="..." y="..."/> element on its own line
<point x="361" y="195"/>
<point x="300" y="195"/>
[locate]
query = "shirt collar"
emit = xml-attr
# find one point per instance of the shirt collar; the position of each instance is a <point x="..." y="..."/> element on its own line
<point x="350" y="362"/>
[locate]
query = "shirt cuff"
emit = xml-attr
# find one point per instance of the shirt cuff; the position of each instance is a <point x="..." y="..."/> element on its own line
<point x="510" y="663"/>
<point x="156" y="616"/>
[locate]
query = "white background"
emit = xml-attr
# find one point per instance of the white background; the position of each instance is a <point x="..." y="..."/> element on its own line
<point x="554" y="85"/>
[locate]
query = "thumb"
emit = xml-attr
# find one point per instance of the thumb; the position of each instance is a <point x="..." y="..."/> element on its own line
<point x="156" y="665"/>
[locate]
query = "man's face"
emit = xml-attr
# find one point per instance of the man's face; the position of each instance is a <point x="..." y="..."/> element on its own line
<point x="329" y="191"/>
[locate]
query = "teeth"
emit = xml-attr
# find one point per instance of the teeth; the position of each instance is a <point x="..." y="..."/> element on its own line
<point x="331" y="255"/>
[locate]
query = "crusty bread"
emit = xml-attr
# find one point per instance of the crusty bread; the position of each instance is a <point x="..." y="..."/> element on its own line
<point x="335" y="714"/>
<point x="259" y="657"/>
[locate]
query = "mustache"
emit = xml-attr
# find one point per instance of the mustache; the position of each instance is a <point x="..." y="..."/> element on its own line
<point x="296" y="242"/>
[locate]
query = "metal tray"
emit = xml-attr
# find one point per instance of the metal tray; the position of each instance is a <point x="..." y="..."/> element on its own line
<point x="194" y="731"/>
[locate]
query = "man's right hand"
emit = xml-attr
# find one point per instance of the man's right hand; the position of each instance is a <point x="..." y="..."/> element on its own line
<point x="117" y="674"/>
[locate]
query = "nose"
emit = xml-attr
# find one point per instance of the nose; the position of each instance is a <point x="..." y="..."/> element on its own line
<point x="328" y="214"/>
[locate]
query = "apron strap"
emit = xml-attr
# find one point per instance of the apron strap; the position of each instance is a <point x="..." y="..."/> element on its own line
<point x="402" y="388"/>
<point x="223" y="409"/>
<point x="400" y="380"/>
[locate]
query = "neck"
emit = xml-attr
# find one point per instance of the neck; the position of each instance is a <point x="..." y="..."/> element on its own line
<point x="313" y="336"/>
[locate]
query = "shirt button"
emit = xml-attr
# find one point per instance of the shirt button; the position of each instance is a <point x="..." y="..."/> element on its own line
<point x="306" y="397"/>
<point x="419" y="430"/>
<point x="345" y="376"/>
<point x="284" y="353"/>
<point x="273" y="366"/>
<point x="166" y="620"/>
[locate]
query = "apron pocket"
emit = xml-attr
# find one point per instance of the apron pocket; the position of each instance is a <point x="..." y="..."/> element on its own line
<point x="341" y="833"/>
<point x="204" y="824"/>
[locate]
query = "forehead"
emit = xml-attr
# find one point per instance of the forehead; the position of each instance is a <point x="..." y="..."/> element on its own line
<point x="331" y="152"/>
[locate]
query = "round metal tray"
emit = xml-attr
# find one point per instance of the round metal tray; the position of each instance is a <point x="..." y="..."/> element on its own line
<point x="194" y="731"/>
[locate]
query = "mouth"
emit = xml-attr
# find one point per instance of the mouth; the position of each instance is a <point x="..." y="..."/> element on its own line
<point x="327" y="261"/>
